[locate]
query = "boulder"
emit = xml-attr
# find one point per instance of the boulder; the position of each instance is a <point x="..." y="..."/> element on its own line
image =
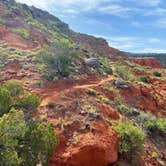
<point x="121" y="84"/>
<point x="92" y="62"/>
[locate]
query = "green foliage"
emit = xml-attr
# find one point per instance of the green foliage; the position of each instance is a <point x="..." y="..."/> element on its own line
<point x="106" y="65"/>
<point x="2" y="21"/>
<point x="123" y="109"/>
<point x="91" y="91"/>
<point x="158" y="125"/>
<point x="29" y="103"/>
<point x="155" y="155"/>
<point x="6" y="101"/>
<point x="15" y="88"/>
<point x="37" y="24"/>
<point x="25" y="143"/>
<point x="12" y="95"/>
<point x="125" y="73"/>
<point x="157" y="74"/>
<point x="12" y="128"/>
<point x="58" y="60"/>
<point x="39" y="144"/>
<point x="144" y="79"/>
<point x="133" y="138"/>
<point x="23" y="32"/>
<point x="104" y="99"/>
<point x="65" y="42"/>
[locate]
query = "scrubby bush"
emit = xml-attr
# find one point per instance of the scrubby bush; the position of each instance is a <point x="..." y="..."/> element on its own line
<point x="2" y="21"/>
<point x="91" y="91"/>
<point x="23" y="32"/>
<point x="123" y="109"/>
<point x="133" y="138"/>
<point x="106" y="65"/>
<point x="144" y="79"/>
<point x="29" y="103"/>
<point x="6" y="101"/>
<point x="25" y="143"/>
<point x="158" y="125"/>
<point x="65" y="42"/>
<point x="15" y="88"/>
<point x="125" y="73"/>
<point x="157" y="74"/>
<point x="58" y="60"/>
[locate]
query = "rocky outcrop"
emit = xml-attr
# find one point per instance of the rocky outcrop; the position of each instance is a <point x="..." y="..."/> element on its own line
<point x="151" y="62"/>
<point x="152" y="98"/>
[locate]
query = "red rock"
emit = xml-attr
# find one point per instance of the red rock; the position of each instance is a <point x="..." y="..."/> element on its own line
<point x="151" y="62"/>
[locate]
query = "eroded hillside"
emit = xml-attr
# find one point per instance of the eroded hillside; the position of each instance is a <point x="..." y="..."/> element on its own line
<point x="106" y="108"/>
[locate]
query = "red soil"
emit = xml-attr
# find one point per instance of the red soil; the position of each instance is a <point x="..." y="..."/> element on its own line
<point x="151" y="98"/>
<point x="15" y="40"/>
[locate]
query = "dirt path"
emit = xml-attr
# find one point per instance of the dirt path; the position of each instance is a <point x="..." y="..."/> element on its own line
<point x="54" y="91"/>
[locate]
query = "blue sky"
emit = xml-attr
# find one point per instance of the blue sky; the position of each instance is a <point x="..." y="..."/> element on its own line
<point x="129" y="25"/>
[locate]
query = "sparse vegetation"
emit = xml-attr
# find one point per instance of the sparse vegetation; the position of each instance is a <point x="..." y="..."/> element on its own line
<point x="2" y="22"/>
<point x="23" y="32"/>
<point x="157" y="74"/>
<point x="144" y="79"/>
<point x="156" y="126"/>
<point x="91" y="91"/>
<point x="133" y="138"/>
<point x="125" y="73"/>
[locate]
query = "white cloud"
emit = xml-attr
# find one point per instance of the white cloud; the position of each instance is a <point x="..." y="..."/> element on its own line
<point x="153" y="50"/>
<point x="154" y="40"/>
<point x="161" y="23"/>
<point x="135" y="24"/>
<point x="147" y="3"/>
<point x="116" y="10"/>
<point x="155" y="12"/>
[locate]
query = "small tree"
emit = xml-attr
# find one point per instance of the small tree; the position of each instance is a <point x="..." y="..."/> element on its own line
<point x="6" y="101"/>
<point x="15" y="88"/>
<point x="12" y="128"/>
<point x="133" y="138"/>
<point x="58" y="60"/>
<point x="23" y="142"/>
<point x="39" y="144"/>
<point x="29" y="103"/>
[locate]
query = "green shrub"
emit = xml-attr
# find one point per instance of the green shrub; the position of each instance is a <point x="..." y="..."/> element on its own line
<point x="58" y="59"/>
<point x="144" y="79"/>
<point x="133" y="138"/>
<point x="2" y="21"/>
<point x="104" y="99"/>
<point x="6" y="101"/>
<point x="125" y="73"/>
<point x="23" y="32"/>
<point x="29" y="103"/>
<point x="123" y="109"/>
<point x="65" y="42"/>
<point x="39" y="144"/>
<point x="157" y="74"/>
<point x="158" y="125"/>
<point x="92" y="92"/>
<point x="23" y="143"/>
<point x="155" y="155"/>
<point x="15" y="88"/>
